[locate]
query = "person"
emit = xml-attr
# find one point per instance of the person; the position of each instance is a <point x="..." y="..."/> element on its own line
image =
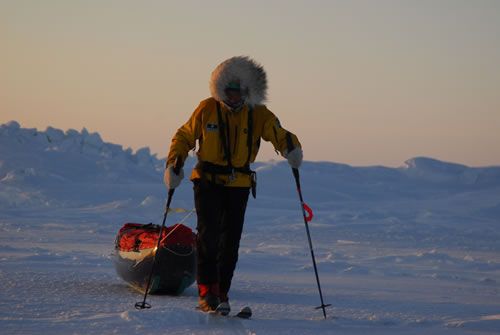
<point x="228" y="127"/>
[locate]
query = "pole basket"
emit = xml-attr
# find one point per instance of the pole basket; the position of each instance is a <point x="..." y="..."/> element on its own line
<point x="142" y="305"/>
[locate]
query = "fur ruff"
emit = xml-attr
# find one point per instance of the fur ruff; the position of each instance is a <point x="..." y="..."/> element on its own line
<point x="248" y="73"/>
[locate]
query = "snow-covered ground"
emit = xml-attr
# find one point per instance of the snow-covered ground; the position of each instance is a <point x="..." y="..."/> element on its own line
<point x="409" y="250"/>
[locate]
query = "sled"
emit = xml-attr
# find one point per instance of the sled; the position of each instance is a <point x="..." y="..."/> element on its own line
<point x="135" y="248"/>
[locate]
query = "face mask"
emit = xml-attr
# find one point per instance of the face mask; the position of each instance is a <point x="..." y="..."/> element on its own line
<point x="234" y="98"/>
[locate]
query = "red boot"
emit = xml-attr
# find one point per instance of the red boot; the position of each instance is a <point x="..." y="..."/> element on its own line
<point x="208" y="297"/>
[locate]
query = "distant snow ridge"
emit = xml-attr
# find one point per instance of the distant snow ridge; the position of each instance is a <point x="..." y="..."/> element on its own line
<point x="77" y="168"/>
<point x="433" y="170"/>
<point x="73" y="141"/>
<point x="70" y="156"/>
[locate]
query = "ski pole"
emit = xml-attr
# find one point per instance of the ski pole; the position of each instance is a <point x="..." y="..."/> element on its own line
<point x="178" y="224"/>
<point x="306" y="219"/>
<point x="143" y="304"/>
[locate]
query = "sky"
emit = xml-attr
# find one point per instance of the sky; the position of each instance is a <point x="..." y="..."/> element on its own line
<point x="360" y="82"/>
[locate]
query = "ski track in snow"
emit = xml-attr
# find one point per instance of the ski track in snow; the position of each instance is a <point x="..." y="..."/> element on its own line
<point x="411" y="250"/>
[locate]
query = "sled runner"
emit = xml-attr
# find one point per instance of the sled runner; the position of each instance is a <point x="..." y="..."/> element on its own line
<point x="175" y="269"/>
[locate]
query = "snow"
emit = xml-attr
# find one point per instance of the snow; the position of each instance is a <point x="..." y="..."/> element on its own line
<point x="408" y="250"/>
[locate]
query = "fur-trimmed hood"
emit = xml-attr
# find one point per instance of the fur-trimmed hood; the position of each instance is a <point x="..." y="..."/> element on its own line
<point x="248" y="73"/>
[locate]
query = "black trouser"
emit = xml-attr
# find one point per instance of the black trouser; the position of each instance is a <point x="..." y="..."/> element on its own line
<point x="221" y="213"/>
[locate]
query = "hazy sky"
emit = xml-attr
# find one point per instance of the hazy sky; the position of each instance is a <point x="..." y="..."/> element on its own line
<point x="360" y="82"/>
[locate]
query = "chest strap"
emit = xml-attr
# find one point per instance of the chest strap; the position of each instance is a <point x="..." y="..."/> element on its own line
<point x="224" y="135"/>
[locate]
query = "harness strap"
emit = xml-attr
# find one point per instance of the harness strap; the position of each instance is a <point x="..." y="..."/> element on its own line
<point x="222" y="169"/>
<point x="250" y="134"/>
<point x="229" y="169"/>
<point x="224" y="135"/>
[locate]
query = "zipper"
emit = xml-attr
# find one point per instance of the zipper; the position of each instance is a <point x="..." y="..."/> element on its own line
<point x="235" y="139"/>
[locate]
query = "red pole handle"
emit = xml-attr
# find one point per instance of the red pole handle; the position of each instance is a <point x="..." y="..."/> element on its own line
<point x="309" y="211"/>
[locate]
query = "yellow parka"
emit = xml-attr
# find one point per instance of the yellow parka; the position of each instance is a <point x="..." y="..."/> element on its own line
<point x="203" y="127"/>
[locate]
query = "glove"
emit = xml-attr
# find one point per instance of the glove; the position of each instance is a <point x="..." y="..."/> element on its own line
<point x="294" y="157"/>
<point x="171" y="179"/>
